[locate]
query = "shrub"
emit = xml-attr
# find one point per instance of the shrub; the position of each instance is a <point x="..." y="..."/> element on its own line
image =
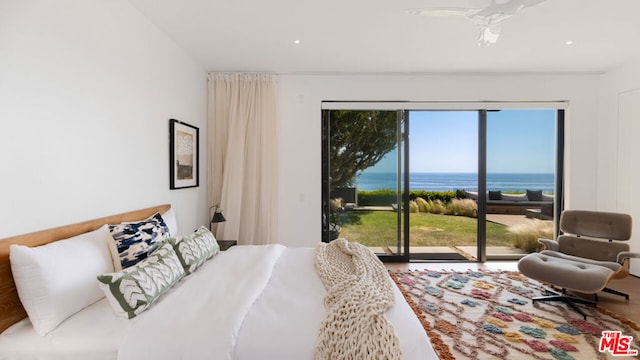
<point x="413" y="207"/>
<point x="388" y="197"/>
<point x="377" y="198"/>
<point x="464" y="207"/>
<point x="436" y="207"/>
<point x="526" y="234"/>
<point x="422" y="204"/>
<point x="336" y="204"/>
<point x="435" y="202"/>
<point x="444" y="196"/>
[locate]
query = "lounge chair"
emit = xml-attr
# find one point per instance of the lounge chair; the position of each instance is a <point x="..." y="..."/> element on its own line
<point x="592" y="252"/>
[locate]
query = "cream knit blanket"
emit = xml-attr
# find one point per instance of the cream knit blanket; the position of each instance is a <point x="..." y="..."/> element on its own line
<point x="359" y="292"/>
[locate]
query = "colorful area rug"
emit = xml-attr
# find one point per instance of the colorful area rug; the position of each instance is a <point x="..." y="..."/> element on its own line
<point x="489" y="315"/>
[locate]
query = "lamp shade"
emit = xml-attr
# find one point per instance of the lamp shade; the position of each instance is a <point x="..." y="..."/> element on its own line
<point x="218" y="217"/>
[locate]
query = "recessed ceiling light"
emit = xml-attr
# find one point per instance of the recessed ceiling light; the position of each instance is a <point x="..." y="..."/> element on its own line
<point x="296" y="42"/>
<point x="569" y="42"/>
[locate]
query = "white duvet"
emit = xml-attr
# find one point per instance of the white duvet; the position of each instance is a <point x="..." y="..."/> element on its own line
<point x="250" y="302"/>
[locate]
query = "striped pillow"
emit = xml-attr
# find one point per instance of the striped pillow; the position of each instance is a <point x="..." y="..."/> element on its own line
<point x="132" y="290"/>
<point x="194" y="249"/>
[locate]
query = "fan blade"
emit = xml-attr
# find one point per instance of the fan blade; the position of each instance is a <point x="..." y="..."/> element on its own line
<point x="442" y="11"/>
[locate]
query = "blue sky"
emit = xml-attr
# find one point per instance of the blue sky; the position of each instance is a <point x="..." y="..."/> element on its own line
<point x="518" y="141"/>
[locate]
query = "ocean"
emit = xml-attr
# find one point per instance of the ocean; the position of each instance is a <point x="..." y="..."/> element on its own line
<point x="511" y="182"/>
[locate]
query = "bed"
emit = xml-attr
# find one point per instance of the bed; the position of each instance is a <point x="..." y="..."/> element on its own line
<point x="249" y="302"/>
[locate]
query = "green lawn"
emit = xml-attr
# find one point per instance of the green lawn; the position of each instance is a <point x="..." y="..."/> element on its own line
<point x="378" y="228"/>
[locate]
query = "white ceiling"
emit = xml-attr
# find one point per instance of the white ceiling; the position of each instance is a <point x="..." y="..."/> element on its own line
<point x="349" y="36"/>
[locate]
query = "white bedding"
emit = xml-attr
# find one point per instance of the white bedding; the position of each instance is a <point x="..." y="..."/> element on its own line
<point x="250" y="302"/>
<point x="78" y="337"/>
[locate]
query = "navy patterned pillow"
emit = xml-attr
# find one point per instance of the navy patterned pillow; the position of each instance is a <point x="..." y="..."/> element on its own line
<point x="135" y="240"/>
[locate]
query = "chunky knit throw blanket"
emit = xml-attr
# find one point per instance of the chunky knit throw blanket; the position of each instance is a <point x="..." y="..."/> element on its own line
<point x="359" y="292"/>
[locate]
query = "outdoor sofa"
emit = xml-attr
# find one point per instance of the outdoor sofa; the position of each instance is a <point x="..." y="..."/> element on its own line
<point x="533" y="203"/>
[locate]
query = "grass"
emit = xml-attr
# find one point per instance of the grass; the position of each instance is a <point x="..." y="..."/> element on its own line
<point x="379" y="228"/>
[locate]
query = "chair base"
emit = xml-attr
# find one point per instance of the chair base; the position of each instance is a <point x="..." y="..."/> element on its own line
<point x="616" y="292"/>
<point x="569" y="300"/>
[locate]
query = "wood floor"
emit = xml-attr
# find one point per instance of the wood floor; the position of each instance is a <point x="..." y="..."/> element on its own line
<point x="614" y="303"/>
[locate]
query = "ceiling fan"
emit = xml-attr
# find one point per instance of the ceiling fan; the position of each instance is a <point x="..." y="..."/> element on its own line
<point x="487" y="14"/>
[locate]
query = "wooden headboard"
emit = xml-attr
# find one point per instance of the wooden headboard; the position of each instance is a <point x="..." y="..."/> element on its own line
<point x="11" y="310"/>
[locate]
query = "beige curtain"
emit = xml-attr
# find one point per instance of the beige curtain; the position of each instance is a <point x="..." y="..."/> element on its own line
<point x="242" y="165"/>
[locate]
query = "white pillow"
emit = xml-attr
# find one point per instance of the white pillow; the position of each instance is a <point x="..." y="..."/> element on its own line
<point x="169" y="218"/>
<point x="56" y="280"/>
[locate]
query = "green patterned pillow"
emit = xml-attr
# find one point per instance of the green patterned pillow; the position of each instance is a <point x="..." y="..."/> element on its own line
<point x="194" y="249"/>
<point x="132" y="290"/>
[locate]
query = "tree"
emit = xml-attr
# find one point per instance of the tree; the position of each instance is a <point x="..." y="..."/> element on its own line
<point x="357" y="141"/>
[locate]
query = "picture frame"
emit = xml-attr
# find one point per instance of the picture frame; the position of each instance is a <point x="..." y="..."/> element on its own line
<point x="184" y="155"/>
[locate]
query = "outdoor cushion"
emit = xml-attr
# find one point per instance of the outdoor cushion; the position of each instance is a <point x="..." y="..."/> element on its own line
<point x="534" y="195"/>
<point x="514" y="197"/>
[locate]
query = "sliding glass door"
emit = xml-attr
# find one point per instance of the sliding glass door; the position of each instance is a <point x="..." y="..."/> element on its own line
<point x="523" y="179"/>
<point x="443" y="166"/>
<point x="442" y="181"/>
<point x="363" y="179"/>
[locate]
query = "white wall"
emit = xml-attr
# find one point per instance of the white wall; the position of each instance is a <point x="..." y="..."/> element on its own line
<point x="619" y="131"/>
<point x="87" y="89"/>
<point x="300" y="97"/>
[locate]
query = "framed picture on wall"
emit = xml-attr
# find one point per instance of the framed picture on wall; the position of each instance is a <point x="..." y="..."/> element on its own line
<point x="183" y="155"/>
